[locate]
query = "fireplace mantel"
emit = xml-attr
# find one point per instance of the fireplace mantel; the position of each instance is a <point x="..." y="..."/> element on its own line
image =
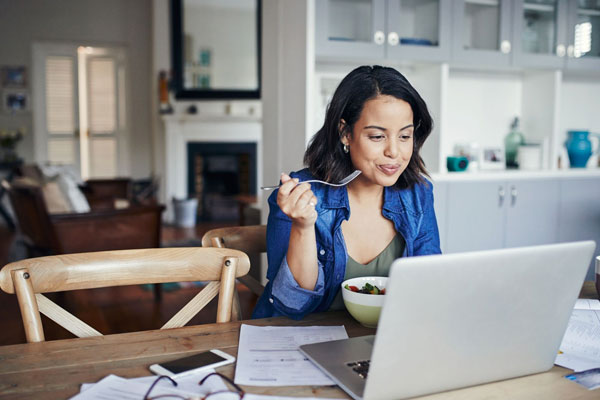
<point x="182" y="129"/>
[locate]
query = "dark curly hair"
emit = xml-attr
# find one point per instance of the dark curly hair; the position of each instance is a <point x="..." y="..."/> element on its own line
<point x="325" y="157"/>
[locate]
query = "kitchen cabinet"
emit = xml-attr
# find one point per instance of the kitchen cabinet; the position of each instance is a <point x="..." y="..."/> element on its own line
<point x="482" y="32"/>
<point x="579" y="214"/>
<point x="416" y="30"/>
<point x="540" y="33"/>
<point x="583" y="35"/>
<point x="482" y="215"/>
<point x="561" y="34"/>
<point x="557" y="34"/>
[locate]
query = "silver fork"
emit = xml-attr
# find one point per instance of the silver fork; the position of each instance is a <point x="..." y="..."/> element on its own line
<point x="343" y="182"/>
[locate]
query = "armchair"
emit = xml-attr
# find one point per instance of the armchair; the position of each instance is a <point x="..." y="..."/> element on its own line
<point x="134" y="227"/>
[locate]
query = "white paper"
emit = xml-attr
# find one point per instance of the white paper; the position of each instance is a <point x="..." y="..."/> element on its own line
<point x="112" y="385"/>
<point x="576" y="363"/>
<point x="269" y="355"/>
<point x="581" y="342"/>
<point x="587" y="304"/>
<point x="250" y="396"/>
<point x="582" y="339"/>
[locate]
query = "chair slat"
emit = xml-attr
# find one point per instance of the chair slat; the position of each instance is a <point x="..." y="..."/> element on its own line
<point x="194" y="306"/>
<point x="64" y="318"/>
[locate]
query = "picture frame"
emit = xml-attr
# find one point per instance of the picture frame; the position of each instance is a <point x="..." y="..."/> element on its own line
<point x="13" y="76"/>
<point x="15" y="101"/>
<point x="492" y="158"/>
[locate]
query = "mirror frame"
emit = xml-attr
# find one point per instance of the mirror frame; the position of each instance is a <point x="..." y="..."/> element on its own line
<point x="177" y="61"/>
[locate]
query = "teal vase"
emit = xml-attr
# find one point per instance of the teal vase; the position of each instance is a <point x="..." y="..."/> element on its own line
<point x="579" y="147"/>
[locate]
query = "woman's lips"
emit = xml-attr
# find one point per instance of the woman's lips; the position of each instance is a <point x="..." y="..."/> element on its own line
<point x="389" y="169"/>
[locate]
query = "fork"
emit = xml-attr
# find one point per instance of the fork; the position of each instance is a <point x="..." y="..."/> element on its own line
<point x="343" y="182"/>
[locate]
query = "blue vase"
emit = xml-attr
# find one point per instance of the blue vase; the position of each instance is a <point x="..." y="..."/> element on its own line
<point x="579" y="148"/>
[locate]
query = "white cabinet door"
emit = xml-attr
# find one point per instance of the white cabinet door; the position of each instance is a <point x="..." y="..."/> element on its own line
<point x="491" y="215"/>
<point x="475" y="216"/>
<point x="532" y="212"/>
<point x="579" y="215"/>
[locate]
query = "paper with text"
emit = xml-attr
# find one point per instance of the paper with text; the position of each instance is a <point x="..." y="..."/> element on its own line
<point x="114" y="387"/>
<point x="580" y="346"/>
<point x="269" y="355"/>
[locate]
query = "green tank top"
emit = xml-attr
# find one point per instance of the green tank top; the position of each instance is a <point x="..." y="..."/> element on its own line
<point x="380" y="266"/>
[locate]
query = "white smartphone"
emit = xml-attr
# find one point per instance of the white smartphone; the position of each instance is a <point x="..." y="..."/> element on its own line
<point x="189" y="365"/>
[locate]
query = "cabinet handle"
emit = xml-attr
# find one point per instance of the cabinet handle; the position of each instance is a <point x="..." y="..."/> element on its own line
<point x="393" y="39"/>
<point x="570" y="51"/>
<point x="513" y="196"/>
<point x="501" y="194"/>
<point x="505" y="46"/>
<point x="379" y="37"/>
<point x="560" y="50"/>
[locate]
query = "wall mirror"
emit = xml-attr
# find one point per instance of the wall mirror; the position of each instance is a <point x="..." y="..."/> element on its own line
<point x="216" y="49"/>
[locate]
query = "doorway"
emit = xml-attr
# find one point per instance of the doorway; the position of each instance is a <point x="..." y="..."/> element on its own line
<point x="80" y="108"/>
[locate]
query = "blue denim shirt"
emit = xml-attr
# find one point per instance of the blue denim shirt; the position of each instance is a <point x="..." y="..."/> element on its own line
<point x="411" y="211"/>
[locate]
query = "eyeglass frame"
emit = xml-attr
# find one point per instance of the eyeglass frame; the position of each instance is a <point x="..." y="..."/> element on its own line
<point x="238" y="390"/>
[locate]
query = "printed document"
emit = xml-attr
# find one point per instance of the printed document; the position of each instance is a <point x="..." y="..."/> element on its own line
<point x="269" y="355"/>
<point x="580" y="347"/>
<point x="114" y="387"/>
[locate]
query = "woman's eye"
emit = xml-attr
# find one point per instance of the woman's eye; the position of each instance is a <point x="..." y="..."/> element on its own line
<point x="376" y="137"/>
<point x="405" y="137"/>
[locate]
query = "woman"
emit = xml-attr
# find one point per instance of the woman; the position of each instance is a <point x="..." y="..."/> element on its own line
<point x="319" y="235"/>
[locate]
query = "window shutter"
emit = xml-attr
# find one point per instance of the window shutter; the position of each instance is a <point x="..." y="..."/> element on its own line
<point x="60" y="95"/>
<point x="102" y="96"/>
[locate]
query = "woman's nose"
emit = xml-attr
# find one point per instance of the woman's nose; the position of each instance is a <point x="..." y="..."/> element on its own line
<point x="392" y="149"/>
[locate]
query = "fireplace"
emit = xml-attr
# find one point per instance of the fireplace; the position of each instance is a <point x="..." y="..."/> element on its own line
<point x="217" y="174"/>
<point x="236" y="135"/>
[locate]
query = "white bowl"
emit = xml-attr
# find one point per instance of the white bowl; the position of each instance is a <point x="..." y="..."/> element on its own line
<point x="365" y="308"/>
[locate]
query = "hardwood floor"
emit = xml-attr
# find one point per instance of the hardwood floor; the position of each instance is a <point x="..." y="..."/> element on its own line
<point x="116" y="309"/>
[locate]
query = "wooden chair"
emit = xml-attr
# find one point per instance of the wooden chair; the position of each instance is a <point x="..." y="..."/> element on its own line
<point x="252" y="240"/>
<point x="30" y="278"/>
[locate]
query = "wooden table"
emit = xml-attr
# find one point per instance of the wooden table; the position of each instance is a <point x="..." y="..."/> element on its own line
<point x="55" y="369"/>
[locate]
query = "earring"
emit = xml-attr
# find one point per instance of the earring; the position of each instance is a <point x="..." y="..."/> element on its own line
<point x="346" y="149"/>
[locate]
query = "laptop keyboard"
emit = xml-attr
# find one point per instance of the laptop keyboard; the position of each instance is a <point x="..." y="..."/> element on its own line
<point x="360" y="367"/>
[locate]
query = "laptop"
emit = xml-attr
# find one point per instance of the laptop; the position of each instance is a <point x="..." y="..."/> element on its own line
<point x="456" y="320"/>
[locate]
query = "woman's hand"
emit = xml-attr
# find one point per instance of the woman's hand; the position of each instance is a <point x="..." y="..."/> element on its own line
<point x="297" y="201"/>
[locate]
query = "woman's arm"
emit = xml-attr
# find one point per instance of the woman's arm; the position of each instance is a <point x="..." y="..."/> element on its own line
<point x="284" y="292"/>
<point x="298" y="203"/>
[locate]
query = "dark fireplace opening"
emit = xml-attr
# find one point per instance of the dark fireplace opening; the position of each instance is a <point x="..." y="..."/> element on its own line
<point x="218" y="173"/>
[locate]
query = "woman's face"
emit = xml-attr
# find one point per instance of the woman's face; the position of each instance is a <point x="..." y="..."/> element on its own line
<point x="381" y="143"/>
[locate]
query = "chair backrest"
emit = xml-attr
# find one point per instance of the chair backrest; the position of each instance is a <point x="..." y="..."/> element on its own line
<point x="31" y="277"/>
<point x="251" y="239"/>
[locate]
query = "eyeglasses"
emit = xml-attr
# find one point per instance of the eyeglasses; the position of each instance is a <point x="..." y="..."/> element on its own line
<point x="238" y="392"/>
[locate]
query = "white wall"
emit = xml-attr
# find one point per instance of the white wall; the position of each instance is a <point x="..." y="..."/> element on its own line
<point x="90" y="22"/>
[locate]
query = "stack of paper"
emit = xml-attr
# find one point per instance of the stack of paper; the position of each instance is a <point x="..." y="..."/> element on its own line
<point x="580" y="346"/>
<point x="269" y="355"/>
<point x="114" y="387"/>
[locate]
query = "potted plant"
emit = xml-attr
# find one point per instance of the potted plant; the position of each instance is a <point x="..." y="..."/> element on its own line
<point x="8" y="144"/>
